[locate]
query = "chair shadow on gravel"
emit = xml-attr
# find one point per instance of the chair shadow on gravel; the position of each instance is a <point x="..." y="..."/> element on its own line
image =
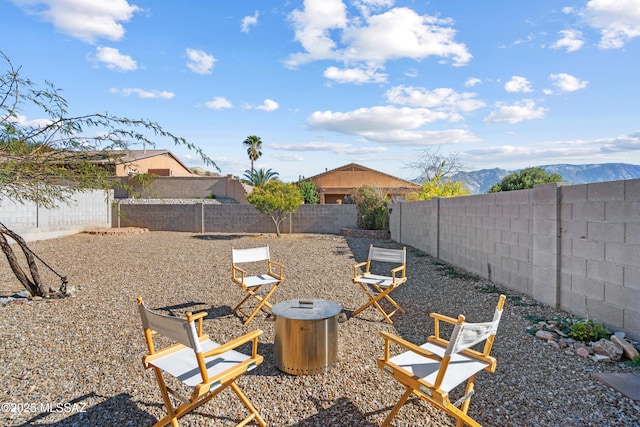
<point x="118" y="410"/>
<point x="341" y="412"/>
<point x="179" y="310"/>
<point x="220" y="236"/>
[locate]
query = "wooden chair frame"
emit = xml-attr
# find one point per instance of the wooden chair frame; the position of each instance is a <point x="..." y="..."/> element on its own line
<point x="187" y="335"/>
<point x="274" y="277"/>
<point x="378" y="287"/>
<point x="443" y="378"/>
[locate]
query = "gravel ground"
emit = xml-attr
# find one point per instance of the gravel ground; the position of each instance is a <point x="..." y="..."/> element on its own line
<point x="84" y="353"/>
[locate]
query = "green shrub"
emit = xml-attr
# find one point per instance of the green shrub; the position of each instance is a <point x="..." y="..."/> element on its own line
<point x="588" y="330"/>
<point x="372" y="208"/>
<point x="309" y="192"/>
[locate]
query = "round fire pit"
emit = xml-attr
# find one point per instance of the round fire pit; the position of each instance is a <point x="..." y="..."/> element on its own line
<point x="306" y="335"/>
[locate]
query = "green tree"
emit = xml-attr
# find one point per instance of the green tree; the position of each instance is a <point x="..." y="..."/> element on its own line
<point x="276" y="199"/>
<point x="254" y="145"/>
<point x="439" y="188"/>
<point x="259" y="177"/>
<point x="525" y="179"/>
<point x="371" y="204"/>
<point x="309" y="192"/>
<point x="49" y="160"/>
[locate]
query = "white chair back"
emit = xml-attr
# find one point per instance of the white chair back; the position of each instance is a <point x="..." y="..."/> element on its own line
<point x="387" y="255"/>
<point x="250" y="255"/>
<point x="179" y="330"/>
<point x="469" y="334"/>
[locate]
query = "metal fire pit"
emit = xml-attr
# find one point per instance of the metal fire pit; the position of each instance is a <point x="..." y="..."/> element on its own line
<point x="306" y="335"/>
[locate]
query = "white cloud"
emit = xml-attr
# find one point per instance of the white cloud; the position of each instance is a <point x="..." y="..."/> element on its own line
<point x="114" y="60"/>
<point x="267" y="105"/>
<point x="375" y="119"/>
<point x="390" y="125"/>
<point x="290" y="157"/>
<point x="331" y="147"/>
<point x="354" y="75"/>
<point x="199" y="61"/>
<point x="613" y="149"/>
<point x="567" y="82"/>
<point x="445" y="99"/>
<point x="218" y="103"/>
<point x="617" y="20"/>
<point x="571" y="40"/>
<point x="248" y="21"/>
<point x="85" y="20"/>
<point x="472" y="81"/>
<point x="518" y="84"/>
<point x="326" y="33"/>
<point x="144" y="94"/>
<point x="523" y="110"/>
<point x="312" y="27"/>
<point x="422" y="137"/>
<point x="402" y="33"/>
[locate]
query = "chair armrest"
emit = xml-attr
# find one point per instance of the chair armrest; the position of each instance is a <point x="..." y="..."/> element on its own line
<point x="394" y="271"/>
<point x="251" y="336"/>
<point x="280" y="268"/>
<point x="388" y="337"/>
<point x="199" y="316"/>
<point x="356" y="267"/>
<point x="234" y="277"/>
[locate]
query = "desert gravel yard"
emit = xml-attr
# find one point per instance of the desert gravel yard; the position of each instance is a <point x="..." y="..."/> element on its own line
<point x="77" y="361"/>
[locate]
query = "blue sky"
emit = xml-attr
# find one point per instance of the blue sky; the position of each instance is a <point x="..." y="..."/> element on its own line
<point x="325" y="83"/>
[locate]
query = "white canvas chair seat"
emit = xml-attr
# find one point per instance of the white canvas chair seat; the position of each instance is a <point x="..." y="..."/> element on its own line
<point x="263" y="279"/>
<point x="374" y="279"/>
<point x="377" y="286"/>
<point x="431" y="371"/>
<point x="184" y="366"/>
<point x="271" y="276"/>
<point x="202" y="365"/>
<point x="461" y="367"/>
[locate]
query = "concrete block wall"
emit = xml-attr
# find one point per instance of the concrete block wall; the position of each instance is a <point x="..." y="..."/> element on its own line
<point x="600" y="252"/>
<point x="570" y="247"/>
<point x="171" y="187"/>
<point x="233" y="218"/>
<point x="85" y="210"/>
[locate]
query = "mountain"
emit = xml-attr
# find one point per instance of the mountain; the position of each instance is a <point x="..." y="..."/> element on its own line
<point x="480" y="181"/>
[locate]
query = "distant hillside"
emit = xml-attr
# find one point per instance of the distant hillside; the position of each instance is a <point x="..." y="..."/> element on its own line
<point x="480" y="181"/>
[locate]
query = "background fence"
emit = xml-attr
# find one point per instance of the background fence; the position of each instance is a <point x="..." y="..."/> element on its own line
<point x="202" y="217"/>
<point x="572" y="247"/>
<point x="33" y="222"/>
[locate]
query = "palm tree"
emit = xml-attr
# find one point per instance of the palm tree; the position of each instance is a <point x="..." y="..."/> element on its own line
<point x="254" y="144"/>
<point x="260" y="177"/>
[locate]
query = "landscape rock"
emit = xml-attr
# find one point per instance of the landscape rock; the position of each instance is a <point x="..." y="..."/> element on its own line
<point x="545" y="335"/>
<point x="628" y="351"/>
<point x="582" y="352"/>
<point x="607" y="348"/>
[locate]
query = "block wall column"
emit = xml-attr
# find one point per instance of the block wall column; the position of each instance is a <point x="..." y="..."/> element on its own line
<point x="546" y="244"/>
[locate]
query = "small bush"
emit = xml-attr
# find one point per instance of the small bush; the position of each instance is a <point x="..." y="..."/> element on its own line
<point x="588" y="330"/>
<point x="372" y="208"/>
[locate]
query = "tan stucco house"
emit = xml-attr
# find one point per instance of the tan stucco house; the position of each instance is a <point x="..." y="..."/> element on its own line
<point x="334" y="185"/>
<point x="155" y="162"/>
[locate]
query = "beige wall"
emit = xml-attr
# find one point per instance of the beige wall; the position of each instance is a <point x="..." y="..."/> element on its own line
<point x="575" y="247"/>
<point x="192" y="187"/>
<point x="154" y="162"/>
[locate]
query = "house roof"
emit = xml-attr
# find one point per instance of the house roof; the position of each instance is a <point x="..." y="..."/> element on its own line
<point x="357" y="167"/>
<point x="130" y="156"/>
